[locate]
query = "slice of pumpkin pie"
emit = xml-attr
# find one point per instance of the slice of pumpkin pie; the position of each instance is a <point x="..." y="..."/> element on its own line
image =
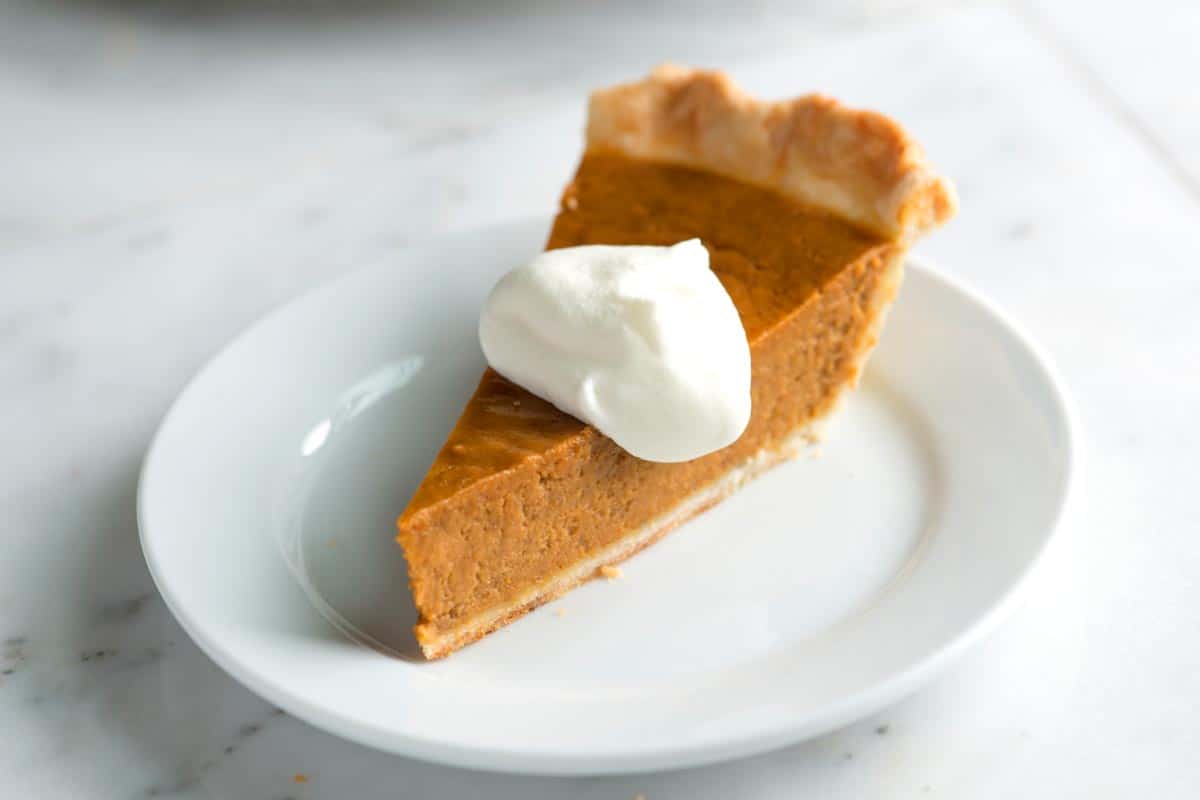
<point x="806" y="209"/>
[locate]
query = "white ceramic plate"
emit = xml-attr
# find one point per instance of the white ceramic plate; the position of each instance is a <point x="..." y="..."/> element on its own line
<point x="823" y="591"/>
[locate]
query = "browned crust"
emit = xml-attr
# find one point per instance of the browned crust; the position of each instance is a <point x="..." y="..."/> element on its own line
<point x="860" y="165"/>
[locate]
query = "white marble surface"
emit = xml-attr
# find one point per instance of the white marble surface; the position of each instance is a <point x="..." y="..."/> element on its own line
<point x="171" y="172"/>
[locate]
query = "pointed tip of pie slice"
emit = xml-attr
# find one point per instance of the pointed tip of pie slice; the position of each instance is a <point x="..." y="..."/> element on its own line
<point x="502" y="427"/>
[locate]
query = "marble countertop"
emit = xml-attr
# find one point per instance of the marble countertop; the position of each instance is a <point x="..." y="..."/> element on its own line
<point x="172" y="171"/>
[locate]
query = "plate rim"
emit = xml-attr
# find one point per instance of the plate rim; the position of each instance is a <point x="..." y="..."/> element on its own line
<point x="761" y="738"/>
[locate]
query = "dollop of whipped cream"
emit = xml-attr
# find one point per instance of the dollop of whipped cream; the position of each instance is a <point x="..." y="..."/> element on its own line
<point x="643" y="343"/>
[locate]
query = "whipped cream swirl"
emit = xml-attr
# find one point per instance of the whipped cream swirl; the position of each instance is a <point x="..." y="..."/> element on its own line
<point x="643" y="343"/>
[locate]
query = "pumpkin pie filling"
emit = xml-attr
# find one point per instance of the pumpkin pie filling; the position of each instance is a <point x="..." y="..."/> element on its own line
<point x="524" y="501"/>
